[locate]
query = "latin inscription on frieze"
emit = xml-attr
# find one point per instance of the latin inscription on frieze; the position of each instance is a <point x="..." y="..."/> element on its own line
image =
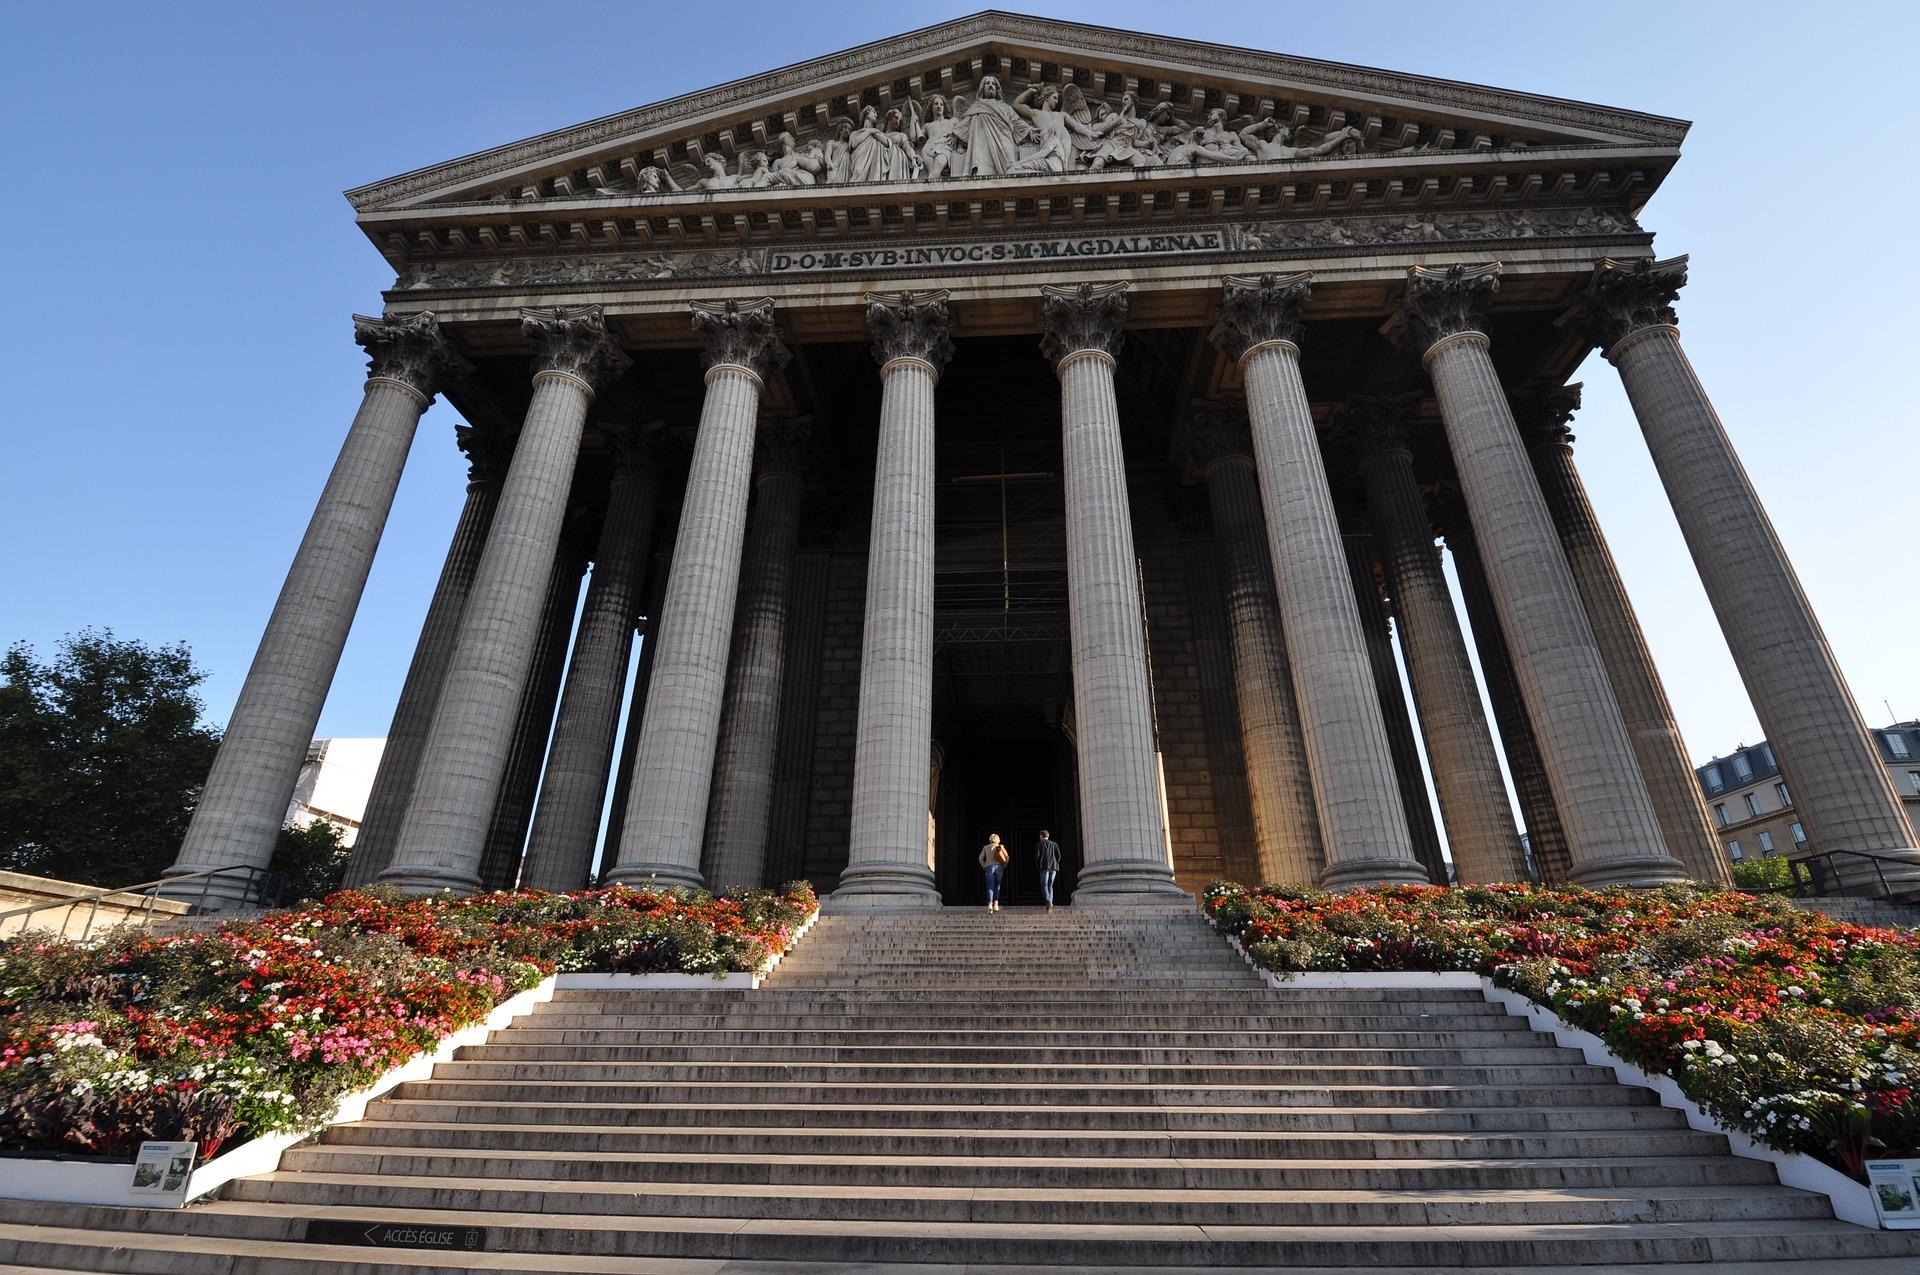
<point x="1008" y="252"/>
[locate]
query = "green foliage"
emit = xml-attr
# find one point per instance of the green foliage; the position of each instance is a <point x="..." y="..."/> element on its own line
<point x="309" y="862"/>
<point x="1775" y="872"/>
<point x="102" y="755"/>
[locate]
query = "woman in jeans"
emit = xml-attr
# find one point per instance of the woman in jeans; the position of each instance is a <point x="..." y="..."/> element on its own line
<point x="993" y="862"/>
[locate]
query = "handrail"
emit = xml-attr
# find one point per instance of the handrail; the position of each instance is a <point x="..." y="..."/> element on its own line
<point x="259" y="889"/>
<point x="1808" y="882"/>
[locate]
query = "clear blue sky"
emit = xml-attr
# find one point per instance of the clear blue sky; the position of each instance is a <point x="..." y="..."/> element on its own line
<point x="180" y="267"/>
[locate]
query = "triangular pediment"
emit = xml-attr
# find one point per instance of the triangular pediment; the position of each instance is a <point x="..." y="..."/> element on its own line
<point x="791" y="130"/>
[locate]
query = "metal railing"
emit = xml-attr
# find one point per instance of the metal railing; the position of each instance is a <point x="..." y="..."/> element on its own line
<point x="258" y="887"/>
<point x="1820" y="874"/>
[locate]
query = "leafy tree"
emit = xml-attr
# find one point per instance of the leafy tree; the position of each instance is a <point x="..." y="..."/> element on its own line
<point x="1775" y="872"/>
<point x="309" y="862"/>
<point x="102" y="755"/>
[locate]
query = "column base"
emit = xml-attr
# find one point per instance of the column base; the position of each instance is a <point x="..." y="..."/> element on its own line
<point x="884" y="888"/>
<point x="641" y="876"/>
<point x="1359" y="874"/>
<point x="224" y="892"/>
<point x="430" y="882"/>
<point x="1634" y="872"/>
<point x="1127" y="883"/>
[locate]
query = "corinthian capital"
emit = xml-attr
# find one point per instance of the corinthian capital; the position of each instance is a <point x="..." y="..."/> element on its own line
<point x="1443" y="303"/>
<point x="739" y="335"/>
<point x="1217" y="432"/>
<point x="1257" y="309"/>
<point x="1542" y="410"/>
<point x="1372" y="424"/>
<point x="1087" y="316"/>
<point x="909" y="325"/>
<point x="784" y="445"/>
<point x="574" y="342"/>
<point x="487" y="451"/>
<point x="409" y="349"/>
<point x="1623" y="297"/>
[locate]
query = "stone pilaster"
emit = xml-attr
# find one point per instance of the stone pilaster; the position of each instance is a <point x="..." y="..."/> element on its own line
<point x="1542" y="413"/>
<point x="886" y="855"/>
<point x="1841" y="791"/>
<point x="1530" y="785"/>
<point x="487" y="455"/>
<point x="1466" y="770"/>
<point x="574" y="788"/>
<point x="244" y="801"/>
<point x="673" y="763"/>
<point x="445" y="830"/>
<point x="1604" y="808"/>
<point x="1279" y="788"/>
<point x="1376" y="624"/>
<point x="506" y="842"/>
<point x="742" y="800"/>
<point x="1126" y="855"/>
<point x="1362" y="822"/>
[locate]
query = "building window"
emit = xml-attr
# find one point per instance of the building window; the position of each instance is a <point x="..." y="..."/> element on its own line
<point x="1720" y="812"/>
<point x="1742" y="768"/>
<point x="1897" y="744"/>
<point x="1780" y="791"/>
<point x="1913" y="781"/>
<point x="1714" y="782"/>
<point x="1766" y="751"/>
<point x="1753" y="804"/>
<point x="1733" y="848"/>
<point x="1799" y="835"/>
<point x="1766" y="842"/>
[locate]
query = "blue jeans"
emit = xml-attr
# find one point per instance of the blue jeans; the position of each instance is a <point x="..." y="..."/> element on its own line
<point x="994" y="874"/>
<point x="1046" y="885"/>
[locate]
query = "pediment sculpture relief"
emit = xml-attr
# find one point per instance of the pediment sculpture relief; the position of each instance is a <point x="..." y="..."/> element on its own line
<point x="1045" y="128"/>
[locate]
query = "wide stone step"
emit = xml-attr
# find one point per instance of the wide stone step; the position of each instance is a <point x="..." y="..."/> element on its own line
<point x="727" y="1140"/>
<point x="983" y="1094"/>
<point x="1023" y="1056"/>
<point x="901" y="1019"/>
<point x="1041" y="1205"/>
<point x="1200" y="1173"/>
<point x="1244" y="1119"/>
<point x="1420" y="1000"/>
<point x="1120" y="1246"/>
<point x="1138" y="1074"/>
<point x="796" y="1036"/>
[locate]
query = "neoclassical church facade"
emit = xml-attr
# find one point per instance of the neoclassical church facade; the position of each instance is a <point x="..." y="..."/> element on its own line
<point x="1017" y="425"/>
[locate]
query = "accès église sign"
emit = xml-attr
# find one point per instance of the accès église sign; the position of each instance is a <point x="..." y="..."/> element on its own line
<point x="1005" y="252"/>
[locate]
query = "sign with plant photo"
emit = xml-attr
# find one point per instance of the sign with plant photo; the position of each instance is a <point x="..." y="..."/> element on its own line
<point x="161" y="1169"/>
<point x="1896" y="1192"/>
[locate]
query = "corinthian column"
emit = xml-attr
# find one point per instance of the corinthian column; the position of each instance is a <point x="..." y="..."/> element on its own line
<point x="887" y="863"/>
<point x="742" y="799"/>
<point x="244" y="802"/>
<point x="445" y="830"/>
<point x="1127" y="857"/>
<point x="1608" y="817"/>
<point x="487" y="454"/>
<point x="673" y="763"/>
<point x="1466" y="771"/>
<point x="1286" y="833"/>
<point x="1841" y="791"/>
<point x="581" y="755"/>
<point x="1362" y="822"/>
<point x="1542" y="412"/>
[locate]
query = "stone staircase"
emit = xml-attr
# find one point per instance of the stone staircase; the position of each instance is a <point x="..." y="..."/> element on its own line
<point x="993" y="1093"/>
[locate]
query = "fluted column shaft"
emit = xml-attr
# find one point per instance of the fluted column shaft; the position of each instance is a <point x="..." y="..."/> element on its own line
<point x="244" y="801"/>
<point x="1466" y="771"/>
<point x="445" y="831"/>
<point x="1286" y="830"/>
<point x="1842" y="793"/>
<point x="742" y="799"/>
<point x="1530" y="785"/>
<point x="1604" y="808"/>
<point x="1409" y="778"/>
<point x="656" y="593"/>
<point x="673" y="763"/>
<point x="1126" y="855"/>
<point x="1662" y="754"/>
<point x="420" y="692"/>
<point x="579" y="761"/>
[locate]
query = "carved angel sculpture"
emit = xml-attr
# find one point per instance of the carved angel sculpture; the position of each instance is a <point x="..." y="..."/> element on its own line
<point x="1125" y="138"/>
<point x="1277" y="146"/>
<point x="717" y="177"/>
<point x="1211" y="143"/>
<point x="941" y="146"/>
<point x="1054" y="128"/>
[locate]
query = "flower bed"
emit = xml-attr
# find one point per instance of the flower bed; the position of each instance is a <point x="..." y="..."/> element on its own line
<point x="1801" y="1031"/>
<point x="261" y="1026"/>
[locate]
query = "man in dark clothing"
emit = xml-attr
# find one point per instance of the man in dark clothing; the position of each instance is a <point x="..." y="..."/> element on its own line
<point x="1046" y="857"/>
